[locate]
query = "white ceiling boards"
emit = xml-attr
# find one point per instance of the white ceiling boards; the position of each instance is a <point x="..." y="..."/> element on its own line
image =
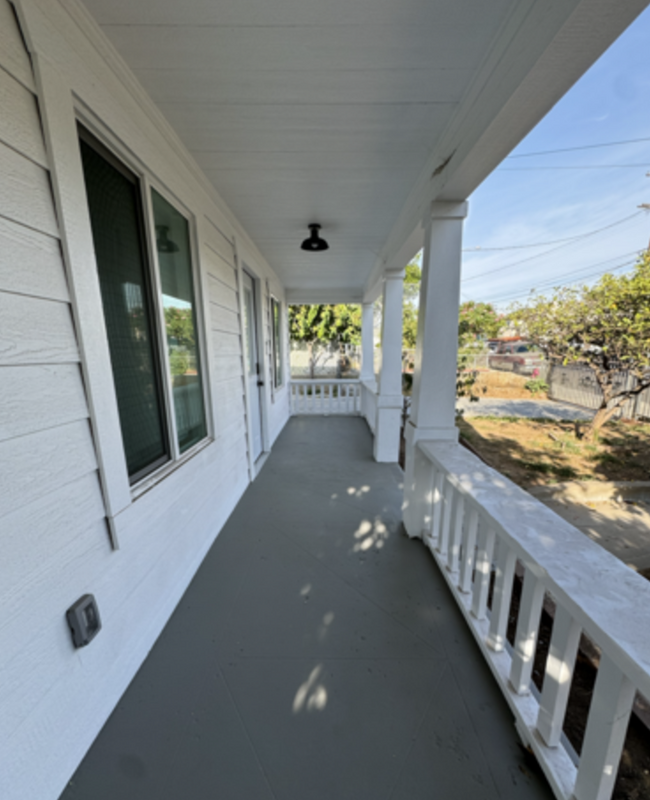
<point x="340" y="112"/>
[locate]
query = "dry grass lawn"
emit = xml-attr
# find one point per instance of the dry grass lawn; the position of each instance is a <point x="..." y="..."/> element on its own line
<point x="507" y="385"/>
<point x="534" y="452"/>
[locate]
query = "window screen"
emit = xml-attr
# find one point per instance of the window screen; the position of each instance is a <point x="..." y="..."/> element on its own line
<point x="116" y="220"/>
<point x="175" y="264"/>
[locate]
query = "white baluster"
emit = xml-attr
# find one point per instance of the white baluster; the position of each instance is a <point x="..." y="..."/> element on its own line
<point x="530" y="609"/>
<point x="609" y="715"/>
<point x="469" y="545"/>
<point x="436" y="504"/>
<point x="482" y="570"/>
<point x="557" y="679"/>
<point x="456" y="534"/>
<point x="447" y="507"/>
<point x="418" y="509"/>
<point x="503" y="578"/>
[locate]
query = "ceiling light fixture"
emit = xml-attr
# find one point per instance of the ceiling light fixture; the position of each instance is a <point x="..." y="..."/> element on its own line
<point x="314" y="244"/>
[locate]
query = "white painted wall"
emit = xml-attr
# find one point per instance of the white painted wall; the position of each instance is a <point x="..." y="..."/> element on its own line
<point x="55" y="475"/>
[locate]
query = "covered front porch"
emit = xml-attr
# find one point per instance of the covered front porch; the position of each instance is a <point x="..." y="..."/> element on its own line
<point x="318" y="653"/>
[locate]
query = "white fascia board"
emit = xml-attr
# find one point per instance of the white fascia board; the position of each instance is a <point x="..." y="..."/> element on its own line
<point x="540" y="52"/>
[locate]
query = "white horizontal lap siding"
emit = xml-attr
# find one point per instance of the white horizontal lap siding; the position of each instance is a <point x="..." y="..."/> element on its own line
<point x="45" y="276"/>
<point x="13" y="56"/>
<point x="52" y="521"/>
<point x="123" y="649"/>
<point x="38" y="396"/>
<point x="226" y="342"/>
<point x="54" y="544"/>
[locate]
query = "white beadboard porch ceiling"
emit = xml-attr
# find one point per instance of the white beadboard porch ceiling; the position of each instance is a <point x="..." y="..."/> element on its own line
<point x="340" y="111"/>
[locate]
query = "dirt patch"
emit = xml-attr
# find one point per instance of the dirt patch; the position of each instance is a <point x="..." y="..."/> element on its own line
<point x="504" y="385"/>
<point x="543" y="452"/>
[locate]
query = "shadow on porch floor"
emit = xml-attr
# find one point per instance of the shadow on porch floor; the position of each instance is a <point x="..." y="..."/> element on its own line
<point x="317" y="655"/>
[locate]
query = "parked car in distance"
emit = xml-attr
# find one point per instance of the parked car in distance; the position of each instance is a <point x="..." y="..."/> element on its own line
<point x="520" y="357"/>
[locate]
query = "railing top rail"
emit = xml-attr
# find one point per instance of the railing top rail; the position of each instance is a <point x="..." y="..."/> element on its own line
<point x="609" y="600"/>
<point x="370" y="384"/>
<point x="314" y="381"/>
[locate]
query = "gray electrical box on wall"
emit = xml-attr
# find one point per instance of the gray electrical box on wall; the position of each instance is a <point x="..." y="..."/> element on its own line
<point x="83" y="619"/>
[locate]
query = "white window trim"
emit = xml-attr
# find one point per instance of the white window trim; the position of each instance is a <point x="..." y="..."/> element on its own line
<point x="60" y="111"/>
<point x="274" y="298"/>
<point x="147" y="182"/>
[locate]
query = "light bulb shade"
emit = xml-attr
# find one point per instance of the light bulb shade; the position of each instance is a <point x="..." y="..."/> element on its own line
<point x="314" y="243"/>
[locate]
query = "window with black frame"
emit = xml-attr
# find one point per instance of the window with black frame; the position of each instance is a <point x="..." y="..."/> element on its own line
<point x="276" y="319"/>
<point x="159" y="395"/>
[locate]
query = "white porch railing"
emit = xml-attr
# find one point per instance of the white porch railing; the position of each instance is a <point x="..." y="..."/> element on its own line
<point x="369" y="403"/>
<point x="325" y="397"/>
<point x="477" y="525"/>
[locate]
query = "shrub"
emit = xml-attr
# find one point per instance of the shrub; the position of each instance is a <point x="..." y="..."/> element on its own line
<point x="536" y="386"/>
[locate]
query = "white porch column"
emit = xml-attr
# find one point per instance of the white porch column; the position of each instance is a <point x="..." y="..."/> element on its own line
<point x="389" y="397"/>
<point x="433" y="406"/>
<point x="367" y="343"/>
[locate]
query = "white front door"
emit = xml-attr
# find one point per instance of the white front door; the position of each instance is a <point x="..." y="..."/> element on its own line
<point x="252" y="366"/>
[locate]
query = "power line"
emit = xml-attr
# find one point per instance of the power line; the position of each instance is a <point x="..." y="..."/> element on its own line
<point x="577" y="274"/>
<point x="480" y="249"/>
<point x="581" y="147"/>
<point x="554" y="249"/>
<point x="552" y="284"/>
<point x="586" y="166"/>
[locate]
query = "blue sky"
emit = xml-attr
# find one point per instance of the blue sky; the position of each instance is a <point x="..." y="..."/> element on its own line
<point x="525" y="202"/>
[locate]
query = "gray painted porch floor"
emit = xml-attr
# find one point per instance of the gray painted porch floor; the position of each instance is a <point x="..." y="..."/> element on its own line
<point x="317" y="655"/>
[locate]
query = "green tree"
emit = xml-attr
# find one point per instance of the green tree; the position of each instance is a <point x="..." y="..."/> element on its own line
<point x="180" y="326"/>
<point x="412" y="280"/>
<point x="477" y="321"/>
<point x="605" y="327"/>
<point x="325" y="324"/>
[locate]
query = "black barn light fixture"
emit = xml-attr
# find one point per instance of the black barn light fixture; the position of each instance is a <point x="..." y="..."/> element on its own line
<point x="314" y="244"/>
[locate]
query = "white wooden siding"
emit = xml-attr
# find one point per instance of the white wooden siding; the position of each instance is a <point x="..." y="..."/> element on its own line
<point x="19" y="123"/>
<point x="226" y="338"/>
<point x="25" y="192"/>
<point x="45" y="276"/>
<point x="54" y="542"/>
<point x="39" y="396"/>
<point x="13" y="56"/>
<point x="35" y="331"/>
<point x="50" y="500"/>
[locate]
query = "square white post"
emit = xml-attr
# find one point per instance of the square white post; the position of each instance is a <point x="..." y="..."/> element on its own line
<point x="389" y="397"/>
<point x="433" y="405"/>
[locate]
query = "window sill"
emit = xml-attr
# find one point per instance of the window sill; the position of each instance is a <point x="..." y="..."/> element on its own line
<point x="167" y="469"/>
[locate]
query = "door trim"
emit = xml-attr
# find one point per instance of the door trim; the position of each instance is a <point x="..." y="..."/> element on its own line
<point x="254" y="465"/>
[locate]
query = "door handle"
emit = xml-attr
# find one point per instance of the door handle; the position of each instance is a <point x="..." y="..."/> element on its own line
<point x="260" y="383"/>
